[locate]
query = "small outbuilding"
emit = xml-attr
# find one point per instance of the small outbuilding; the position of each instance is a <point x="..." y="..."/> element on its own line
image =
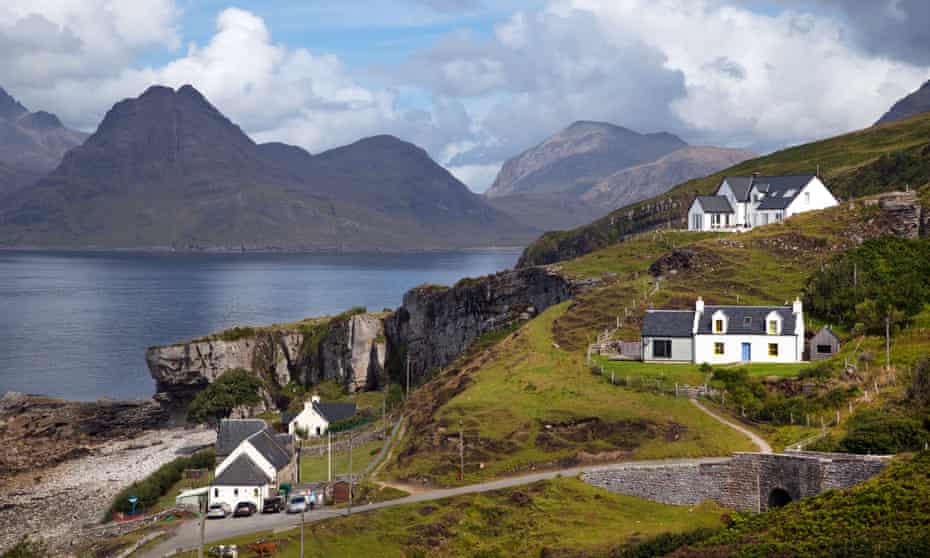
<point x="823" y="345"/>
<point x="316" y="416"/>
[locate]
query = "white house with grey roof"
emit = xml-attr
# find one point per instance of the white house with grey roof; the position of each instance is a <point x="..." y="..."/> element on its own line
<point x="743" y="202"/>
<point x="314" y="419"/>
<point x="724" y="334"/>
<point x="253" y="462"/>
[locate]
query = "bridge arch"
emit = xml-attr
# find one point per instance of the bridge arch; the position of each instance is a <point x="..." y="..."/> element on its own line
<point x="779" y="497"/>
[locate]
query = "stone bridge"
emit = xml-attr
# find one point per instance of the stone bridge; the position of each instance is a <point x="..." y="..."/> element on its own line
<point x="745" y="482"/>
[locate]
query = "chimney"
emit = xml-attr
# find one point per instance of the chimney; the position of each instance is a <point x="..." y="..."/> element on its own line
<point x="699" y="305"/>
<point x="797" y="307"/>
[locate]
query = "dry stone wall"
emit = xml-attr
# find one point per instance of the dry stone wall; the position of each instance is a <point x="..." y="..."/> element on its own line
<point x="745" y="482"/>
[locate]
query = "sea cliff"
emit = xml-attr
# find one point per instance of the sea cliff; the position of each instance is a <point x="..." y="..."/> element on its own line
<point x="359" y="350"/>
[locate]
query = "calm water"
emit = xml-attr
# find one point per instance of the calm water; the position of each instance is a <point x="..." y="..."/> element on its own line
<point x="77" y="325"/>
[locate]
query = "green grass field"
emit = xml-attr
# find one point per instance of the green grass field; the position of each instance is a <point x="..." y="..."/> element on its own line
<point x="562" y="517"/>
<point x="533" y="404"/>
<point x="316" y="468"/>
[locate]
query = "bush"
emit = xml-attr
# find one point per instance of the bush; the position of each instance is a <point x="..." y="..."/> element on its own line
<point x="237" y="333"/>
<point x="663" y="544"/>
<point x="351" y="423"/>
<point x="156" y="485"/>
<point x="27" y="548"/>
<point x="232" y="389"/>
<point x="879" y="432"/>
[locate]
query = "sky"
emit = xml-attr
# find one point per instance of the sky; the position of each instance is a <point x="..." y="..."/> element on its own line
<point x="475" y="82"/>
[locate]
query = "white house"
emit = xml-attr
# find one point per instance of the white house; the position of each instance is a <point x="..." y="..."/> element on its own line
<point x="744" y="202"/>
<point x="254" y="469"/>
<point x="316" y="417"/>
<point x="724" y="334"/>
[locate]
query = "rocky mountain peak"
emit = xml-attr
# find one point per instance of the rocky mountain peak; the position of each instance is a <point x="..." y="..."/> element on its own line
<point x="10" y="108"/>
<point x="41" y="120"/>
<point x="911" y="105"/>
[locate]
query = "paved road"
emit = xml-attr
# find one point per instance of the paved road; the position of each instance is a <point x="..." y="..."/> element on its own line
<point x="188" y="534"/>
<point x="763" y="446"/>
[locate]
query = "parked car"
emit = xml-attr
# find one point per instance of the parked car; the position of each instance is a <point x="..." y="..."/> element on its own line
<point x="298" y="504"/>
<point x="274" y="504"/>
<point x="245" y="509"/>
<point x="218" y="510"/>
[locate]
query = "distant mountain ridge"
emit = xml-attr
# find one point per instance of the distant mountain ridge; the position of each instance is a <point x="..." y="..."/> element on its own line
<point x="590" y="168"/>
<point x="167" y="170"/>
<point x="31" y="143"/>
<point x="913" y="104"/>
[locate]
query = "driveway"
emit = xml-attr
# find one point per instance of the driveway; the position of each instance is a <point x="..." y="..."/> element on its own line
<point x="188" y="534"/>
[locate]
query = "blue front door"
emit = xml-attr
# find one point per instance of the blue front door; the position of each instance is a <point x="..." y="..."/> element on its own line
<point x="747" y="352"/>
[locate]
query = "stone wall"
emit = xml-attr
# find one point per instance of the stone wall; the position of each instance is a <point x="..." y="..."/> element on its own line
<point x="744" y="482"/>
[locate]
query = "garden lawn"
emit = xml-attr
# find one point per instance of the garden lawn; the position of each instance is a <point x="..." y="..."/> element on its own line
<point x="549" y="518"/>
<point x="315" y="468"/>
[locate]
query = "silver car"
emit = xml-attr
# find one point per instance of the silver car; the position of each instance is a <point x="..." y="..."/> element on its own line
<point x="218" y="510"/>
<point x="297" y="504"/>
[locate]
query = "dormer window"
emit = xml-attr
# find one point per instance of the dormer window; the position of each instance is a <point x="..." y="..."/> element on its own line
<point x="718" y="326"/>
<point x="747" y="321"/>
<point x="773" y="327"/>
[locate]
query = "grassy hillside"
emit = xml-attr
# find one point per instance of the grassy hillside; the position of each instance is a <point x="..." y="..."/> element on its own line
<point x="562" y="517"/>
<point x="531" y="401"/>
<point x="887" y="516"/>
<point x="869" y="161"/>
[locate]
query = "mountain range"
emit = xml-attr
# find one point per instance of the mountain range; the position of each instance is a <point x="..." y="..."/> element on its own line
<point x="590" y="168"/>
<point x="913" y="104"/>
<point x="167" y="170"/>
<point x="31" y="143"/>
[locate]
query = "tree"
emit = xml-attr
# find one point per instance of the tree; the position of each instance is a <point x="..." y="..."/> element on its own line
<point x="234" y="388"/>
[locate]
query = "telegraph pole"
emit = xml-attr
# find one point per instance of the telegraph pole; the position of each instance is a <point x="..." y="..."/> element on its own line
<point x="887" y="343"/>
<point x="304" y="509"/>
<point x="203" y="524"/>
<point x="408" y="376"/>
<point x="329" y="456"/>
<point x="461" y="452"/>
<point x="350" y="472"/>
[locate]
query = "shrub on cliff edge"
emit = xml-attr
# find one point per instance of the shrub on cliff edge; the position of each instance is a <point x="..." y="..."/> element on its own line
<point x="234" y="388"/>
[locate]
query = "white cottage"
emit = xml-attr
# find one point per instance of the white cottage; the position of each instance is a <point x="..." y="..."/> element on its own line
<point x="255" y="467"/>
<point x="724" y="334"/>
<point x="744" y="202"/>
<point x="316" y="417"/>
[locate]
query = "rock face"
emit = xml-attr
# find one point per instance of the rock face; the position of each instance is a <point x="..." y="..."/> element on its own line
<point x="31" y="143"/>
<point x="915" y="103"/>
<point x="167" y="170"/>
<point x="590" y="168"/>
<point x="436" y="324"/>
<point x="349" y="350"/>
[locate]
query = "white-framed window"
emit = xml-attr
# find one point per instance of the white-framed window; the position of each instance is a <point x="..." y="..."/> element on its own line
<point x="662" y="348"/>
<point x="773" y="327"/>
<point x="718" y="348"/>
<point x="807" y="198"/>
<point x="697" y="221"/>
<point x="715" y="221"/>
<point x="773" y="349"/>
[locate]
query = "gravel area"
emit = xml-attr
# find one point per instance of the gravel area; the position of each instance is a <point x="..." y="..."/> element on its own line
<point x="58" y="503"/>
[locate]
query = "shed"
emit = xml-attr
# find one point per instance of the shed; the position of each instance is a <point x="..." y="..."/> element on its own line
<point x="823" y="345"/>
<point x="191" y="499"/>
<point x="340" y="492"/>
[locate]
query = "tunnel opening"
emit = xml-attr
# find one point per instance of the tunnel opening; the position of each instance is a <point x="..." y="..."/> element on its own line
<point x="778" y="498"/>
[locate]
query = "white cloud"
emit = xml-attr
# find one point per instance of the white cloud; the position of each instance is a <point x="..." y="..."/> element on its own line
<point x="477" y="177"/>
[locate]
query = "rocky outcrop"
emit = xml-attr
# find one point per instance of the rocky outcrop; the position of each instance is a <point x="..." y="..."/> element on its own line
<point x="436" y="324"/>
<point x="38" y="432"/>
<point x="348" y="349"/>
<point x="181" y="370"/>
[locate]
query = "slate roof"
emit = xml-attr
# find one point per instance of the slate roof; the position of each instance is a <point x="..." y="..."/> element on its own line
<point x="668" y="323"/>
<point x="737" y="323"/>
<point x="288" y="417"/>
<point x="270" y="449"/>
<point x="334" y="412"/>
<point x="779" y="191"/>
<point x="740" y="185"/>
<point x="234" y="431"/>
<point x="715" y="204"/>
<point x="242" y="472"/>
